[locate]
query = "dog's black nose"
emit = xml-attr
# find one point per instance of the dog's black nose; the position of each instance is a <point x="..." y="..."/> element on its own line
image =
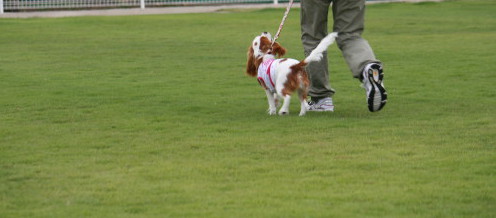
<point x="265" y="32"/>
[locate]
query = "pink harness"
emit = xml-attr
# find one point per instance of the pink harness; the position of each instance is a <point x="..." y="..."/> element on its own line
<point x="265" y="75"/>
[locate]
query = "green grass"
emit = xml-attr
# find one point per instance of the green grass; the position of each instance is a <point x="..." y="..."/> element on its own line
<point x="152" y="116"/>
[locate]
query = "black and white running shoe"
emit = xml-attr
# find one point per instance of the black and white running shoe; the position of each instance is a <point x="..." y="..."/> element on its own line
<point x="373" y="77"/>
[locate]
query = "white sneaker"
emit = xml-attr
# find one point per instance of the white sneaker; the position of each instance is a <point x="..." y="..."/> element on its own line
<point x="324" y="104"/>
<point x="374" y="87"/>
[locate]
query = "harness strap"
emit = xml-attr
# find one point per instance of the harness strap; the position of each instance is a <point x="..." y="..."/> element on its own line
<point x="270" y="78"/>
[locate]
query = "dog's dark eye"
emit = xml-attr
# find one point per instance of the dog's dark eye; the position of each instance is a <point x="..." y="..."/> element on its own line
<point x="255" y="44"/>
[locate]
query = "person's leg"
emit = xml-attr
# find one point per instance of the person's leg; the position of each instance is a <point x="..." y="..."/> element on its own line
<point x="314" y="14"/>
<point x="348" y="18"/>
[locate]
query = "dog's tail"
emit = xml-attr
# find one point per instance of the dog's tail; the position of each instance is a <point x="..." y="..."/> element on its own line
<point x="298" y="77"/>
<point x="316" y="54"/>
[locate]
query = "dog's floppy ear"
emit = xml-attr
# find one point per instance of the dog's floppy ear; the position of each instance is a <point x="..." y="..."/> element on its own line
<point x="251" y="68"/>
<point x="278" y="50"/>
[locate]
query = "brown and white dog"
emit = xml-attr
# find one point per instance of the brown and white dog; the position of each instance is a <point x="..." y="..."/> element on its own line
<point x="281" y="77"/>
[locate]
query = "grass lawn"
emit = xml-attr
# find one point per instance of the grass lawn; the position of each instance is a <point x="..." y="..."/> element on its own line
<point x="152" y="116"/>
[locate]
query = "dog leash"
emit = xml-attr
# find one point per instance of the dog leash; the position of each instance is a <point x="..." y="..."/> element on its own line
<point x="282" y="22"/>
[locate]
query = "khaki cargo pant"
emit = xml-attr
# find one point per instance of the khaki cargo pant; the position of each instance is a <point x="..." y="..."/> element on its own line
<point x="348" y="17"/>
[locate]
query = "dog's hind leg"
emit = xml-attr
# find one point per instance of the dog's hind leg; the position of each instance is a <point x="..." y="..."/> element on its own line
<point x="303" y="101"/>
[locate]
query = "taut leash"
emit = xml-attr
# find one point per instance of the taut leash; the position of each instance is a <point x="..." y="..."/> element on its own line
<point x="282" y="22"/>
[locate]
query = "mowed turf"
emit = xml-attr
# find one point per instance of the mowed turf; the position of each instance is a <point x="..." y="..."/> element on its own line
<point x="152" y="116"/>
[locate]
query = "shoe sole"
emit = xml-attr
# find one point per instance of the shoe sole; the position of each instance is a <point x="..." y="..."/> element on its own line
<point x="321" y="110"/>
<point x="377" y="97"/>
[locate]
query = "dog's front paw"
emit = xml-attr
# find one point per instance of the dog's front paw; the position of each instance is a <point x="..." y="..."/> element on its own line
<point x="271" y="111"/>
<point x="283" y="112"/>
